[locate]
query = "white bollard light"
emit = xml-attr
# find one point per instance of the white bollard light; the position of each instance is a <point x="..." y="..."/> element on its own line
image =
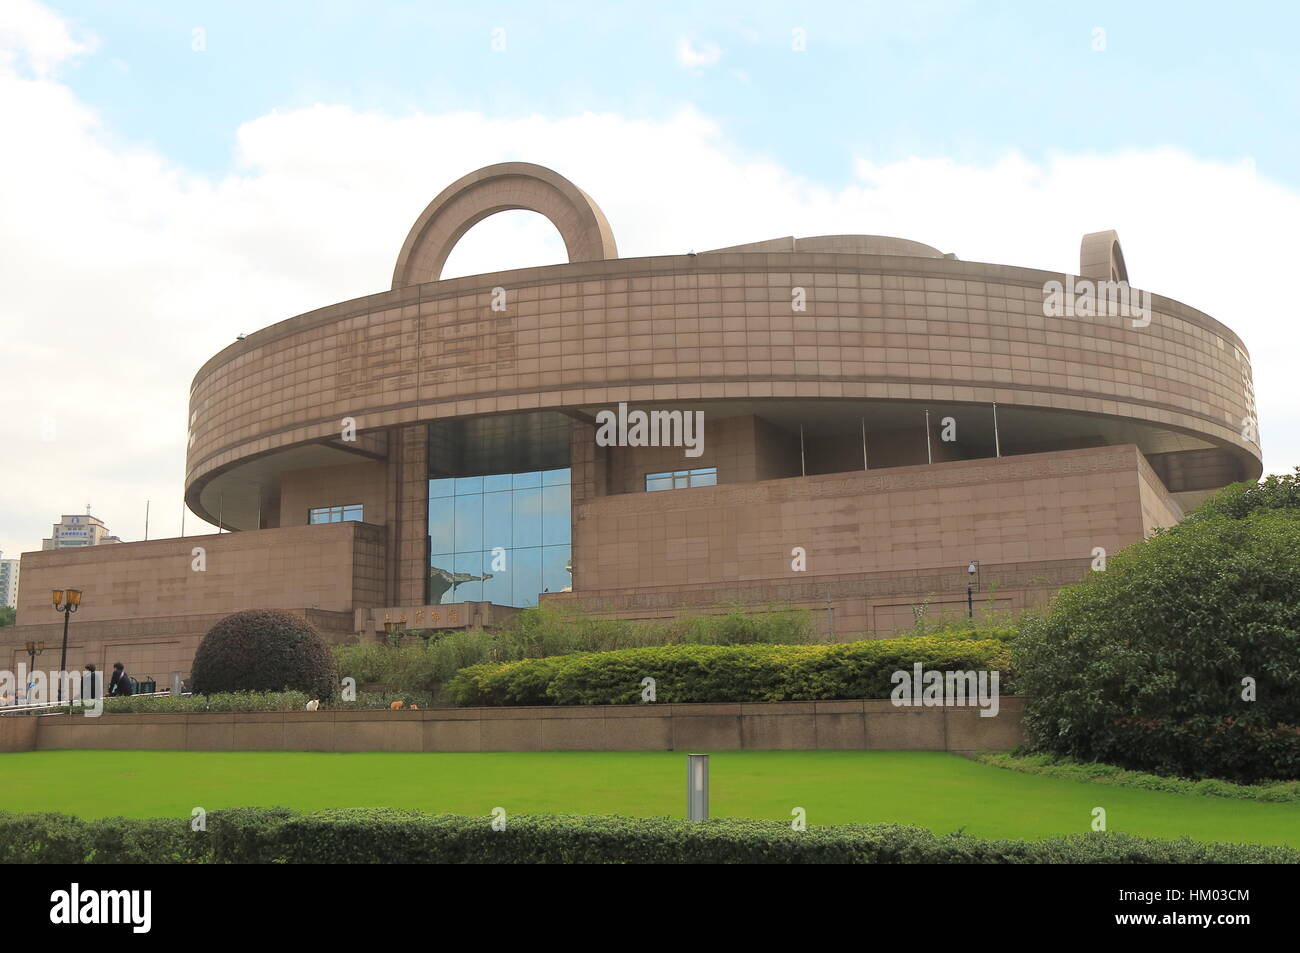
<point x="697" y="787"/>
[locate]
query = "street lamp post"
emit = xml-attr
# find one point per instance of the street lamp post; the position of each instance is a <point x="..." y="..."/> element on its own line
<point x="33" y="649"/>
<point x="66" y="601"/>
<point x="972" y="583"/>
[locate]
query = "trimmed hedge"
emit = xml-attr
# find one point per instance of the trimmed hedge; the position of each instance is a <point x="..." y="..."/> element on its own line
<point x="263" y="650"/>
<point x="718" y="673"/>
<point x="275" y="835"/>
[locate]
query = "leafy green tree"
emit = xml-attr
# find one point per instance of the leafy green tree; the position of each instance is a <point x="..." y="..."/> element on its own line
<point x="7" y="615"/>
<point x="1277" y="492"/>
<point x="1183" y="656"/>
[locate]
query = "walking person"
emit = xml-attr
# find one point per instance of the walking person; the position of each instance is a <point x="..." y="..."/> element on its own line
<point x="120" y="684"/>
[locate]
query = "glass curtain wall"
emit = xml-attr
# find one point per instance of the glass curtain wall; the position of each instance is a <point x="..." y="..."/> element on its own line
<point x="499" y="509"/>
<point x="502" y="538"/>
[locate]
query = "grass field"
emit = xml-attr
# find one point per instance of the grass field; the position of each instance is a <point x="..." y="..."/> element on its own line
<point x="938" y="791"/>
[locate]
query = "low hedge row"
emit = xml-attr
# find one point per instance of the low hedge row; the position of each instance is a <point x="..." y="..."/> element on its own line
<point x="724" y="673"/>
<point x="225" y="702"/>
<point x="275" y="835"/>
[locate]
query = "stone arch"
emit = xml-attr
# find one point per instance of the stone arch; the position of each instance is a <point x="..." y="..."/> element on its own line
<point x="499" y="188"/>
<point x="1100" y="257"/>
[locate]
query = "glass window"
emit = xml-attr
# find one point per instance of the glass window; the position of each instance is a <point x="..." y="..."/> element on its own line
<point x="556" y="574"/>
<point x="497" y="520"/>
<point x="555" y="515"/>
<point x="527" y="515"/>
<point x="442" y="523"/>
<point x="469" y="522"/>
<point x="467" y="578"/>
<point x="497" y="583"/>
<point x="335" y="514"/>
<point x="441" y="575"/>
<point x="705" y="477"/>
<point x="526" y="575"/>
<point x="681" y="479"/>
<point x="469" y="485"/>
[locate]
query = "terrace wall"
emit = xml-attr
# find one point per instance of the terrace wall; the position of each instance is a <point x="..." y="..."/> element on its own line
<point x="870" y="724"/>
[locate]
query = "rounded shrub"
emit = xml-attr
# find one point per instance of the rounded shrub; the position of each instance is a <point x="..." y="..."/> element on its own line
<point x="264" y="650"/>
<point x="1182" y="657"/>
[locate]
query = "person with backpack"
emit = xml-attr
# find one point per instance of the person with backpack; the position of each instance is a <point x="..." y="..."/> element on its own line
<point x="120" y="684"/>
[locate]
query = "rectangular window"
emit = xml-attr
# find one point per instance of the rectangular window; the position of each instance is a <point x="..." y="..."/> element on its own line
<point x="335" y="514"/>
<point x="681" y="479"/>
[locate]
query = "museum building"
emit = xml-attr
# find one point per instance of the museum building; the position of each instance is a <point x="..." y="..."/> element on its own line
<point x="883" y="429"/>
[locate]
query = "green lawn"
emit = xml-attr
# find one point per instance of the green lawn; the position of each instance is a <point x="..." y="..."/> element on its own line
<point x="929" y="789"/>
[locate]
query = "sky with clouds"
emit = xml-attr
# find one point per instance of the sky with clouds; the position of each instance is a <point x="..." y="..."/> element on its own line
<point x="174" y="174"/>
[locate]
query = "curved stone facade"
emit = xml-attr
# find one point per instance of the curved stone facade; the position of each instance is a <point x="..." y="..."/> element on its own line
<point x="710" y="327"/>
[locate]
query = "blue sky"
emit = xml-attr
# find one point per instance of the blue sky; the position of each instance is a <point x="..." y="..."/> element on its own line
<point x="175" y="197"/>
<point x="965" y="80"/>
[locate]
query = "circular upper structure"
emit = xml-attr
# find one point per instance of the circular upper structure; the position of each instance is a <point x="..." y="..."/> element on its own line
<point x="838" y="328"/>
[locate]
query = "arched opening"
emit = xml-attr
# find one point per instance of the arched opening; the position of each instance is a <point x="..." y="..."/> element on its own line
<point x="516" y="238"/>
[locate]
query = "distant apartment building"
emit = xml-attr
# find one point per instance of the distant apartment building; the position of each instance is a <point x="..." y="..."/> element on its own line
<point x="78" y="530"/>
<point x="8" y="582"/>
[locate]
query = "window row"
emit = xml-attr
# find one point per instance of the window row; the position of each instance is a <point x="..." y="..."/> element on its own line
<point x="335" y="514"/>
<point x="681" y="479"/>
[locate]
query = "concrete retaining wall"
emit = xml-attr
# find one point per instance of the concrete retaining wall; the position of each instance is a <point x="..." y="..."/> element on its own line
<point x="872" y="724"/>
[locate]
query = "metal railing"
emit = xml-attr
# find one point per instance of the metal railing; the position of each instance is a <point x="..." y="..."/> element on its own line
<point x="44" y="707"/>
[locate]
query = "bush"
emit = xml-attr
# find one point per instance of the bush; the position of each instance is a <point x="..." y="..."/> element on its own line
<point x="1054" y="766"/>
<point x="543" y="632"/>
<point x="253" y="835"/>
<point x="716" y="673"/>
<point x="263" y="650"/>
<point x="1143" y="665"/>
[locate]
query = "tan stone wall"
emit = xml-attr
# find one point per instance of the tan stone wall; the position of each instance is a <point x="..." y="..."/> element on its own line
<point x="1159" y="509"/>
<point x="728" y="445"/>
<point x="18" y="733"/>
<point x="1039" y="507"/>
<point x="364" y="483"/>
<point x="331" y="566"/>
<point x="873" y="724"/>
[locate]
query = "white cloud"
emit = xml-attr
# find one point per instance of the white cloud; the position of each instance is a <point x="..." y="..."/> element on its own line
<point x="691" y="57"/>
<point x="36" y="38"/>
<point x="123" y="272"/>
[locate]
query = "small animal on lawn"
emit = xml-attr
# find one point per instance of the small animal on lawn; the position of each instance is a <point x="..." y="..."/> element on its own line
<point x="414" y="707"/>
<point x="396" y="705"/>
<point x="313" y="705"/>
